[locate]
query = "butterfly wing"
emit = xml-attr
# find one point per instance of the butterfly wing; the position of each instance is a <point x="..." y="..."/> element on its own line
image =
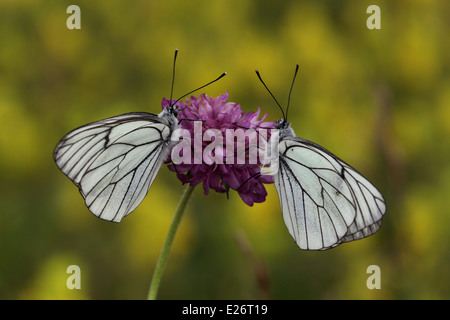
<point x="114" y="161"/>
<point x="324" y="201"/>
<point x="369" y="202"/>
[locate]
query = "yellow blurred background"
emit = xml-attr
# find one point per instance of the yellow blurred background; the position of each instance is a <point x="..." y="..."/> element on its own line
<point x="379" y="99"/>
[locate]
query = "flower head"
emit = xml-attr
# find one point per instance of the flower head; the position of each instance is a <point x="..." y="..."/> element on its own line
<point x="214" y="128"/>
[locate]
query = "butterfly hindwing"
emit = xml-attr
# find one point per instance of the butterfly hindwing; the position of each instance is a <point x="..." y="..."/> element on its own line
<point x="370" y="206"/>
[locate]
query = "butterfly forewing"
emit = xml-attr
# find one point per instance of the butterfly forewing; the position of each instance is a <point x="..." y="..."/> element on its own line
<point x="114" y="161"/>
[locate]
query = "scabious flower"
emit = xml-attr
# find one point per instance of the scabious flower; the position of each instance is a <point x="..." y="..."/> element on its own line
<point x="219" y="168"/>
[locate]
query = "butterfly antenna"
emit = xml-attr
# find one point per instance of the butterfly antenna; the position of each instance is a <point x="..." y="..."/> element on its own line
<point x="260" y="79"/>
<point x="173" y="75"/>
<point x="205" y="85"/>
<point x="290" y="91"/>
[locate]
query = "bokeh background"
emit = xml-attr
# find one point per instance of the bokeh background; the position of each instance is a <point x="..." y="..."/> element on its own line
<point x="379" y="99"/>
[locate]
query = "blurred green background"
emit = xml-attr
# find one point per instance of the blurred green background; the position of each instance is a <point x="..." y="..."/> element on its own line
<point x="379" y="99"/>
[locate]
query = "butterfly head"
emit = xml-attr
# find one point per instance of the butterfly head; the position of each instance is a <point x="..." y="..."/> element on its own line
<point x="281" y="124"/>
<point x="170" y="114"/>
<point x="173" y="109"/>
<point x="285" y="128"/>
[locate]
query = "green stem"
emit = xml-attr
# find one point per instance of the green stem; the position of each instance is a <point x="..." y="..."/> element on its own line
<point x="164" y="255"/>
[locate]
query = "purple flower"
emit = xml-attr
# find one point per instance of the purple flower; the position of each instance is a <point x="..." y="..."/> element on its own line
<point x="225" y="163"/>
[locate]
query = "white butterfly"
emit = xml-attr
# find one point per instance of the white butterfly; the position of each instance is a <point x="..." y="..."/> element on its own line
<point x="115" y="161"/>
<point x="324" y="201"/>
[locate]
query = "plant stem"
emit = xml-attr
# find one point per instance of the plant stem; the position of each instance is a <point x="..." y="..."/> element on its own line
<point x="164" y="255"/>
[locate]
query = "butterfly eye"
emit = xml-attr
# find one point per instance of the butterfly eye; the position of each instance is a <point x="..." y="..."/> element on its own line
<point x="280" y="124"/>
<point x="173" y="109"/>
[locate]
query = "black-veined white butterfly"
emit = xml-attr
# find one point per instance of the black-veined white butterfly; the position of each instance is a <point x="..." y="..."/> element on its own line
<point x="324" y="201"/>
<point x="115" y="161"/>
